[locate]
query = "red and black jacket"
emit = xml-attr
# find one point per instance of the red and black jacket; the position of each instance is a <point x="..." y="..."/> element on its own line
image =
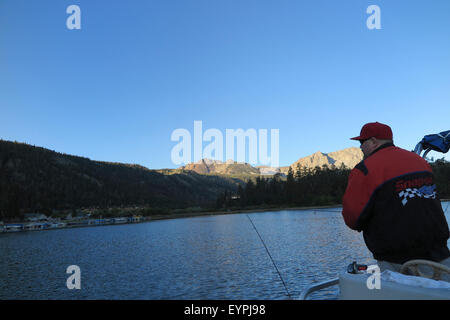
<point x="391" y="197"/>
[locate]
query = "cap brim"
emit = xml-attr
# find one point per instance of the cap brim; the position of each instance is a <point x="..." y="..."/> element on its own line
<point x="356" y="138"/>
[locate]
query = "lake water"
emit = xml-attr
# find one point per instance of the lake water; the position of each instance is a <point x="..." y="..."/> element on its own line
<point x="212" y="257"/>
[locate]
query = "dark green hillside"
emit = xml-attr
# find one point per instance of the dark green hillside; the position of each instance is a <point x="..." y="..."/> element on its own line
<point x="306" y="187"/>
<point x="36" y="179"/>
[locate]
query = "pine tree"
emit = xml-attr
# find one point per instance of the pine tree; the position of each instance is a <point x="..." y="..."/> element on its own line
<point x="290" y="186"/>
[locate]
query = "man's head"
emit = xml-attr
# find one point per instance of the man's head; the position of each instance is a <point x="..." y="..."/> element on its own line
<point x="373" y="135"/>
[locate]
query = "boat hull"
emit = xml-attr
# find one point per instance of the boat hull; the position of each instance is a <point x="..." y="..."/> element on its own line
<point x="354" y="287"/>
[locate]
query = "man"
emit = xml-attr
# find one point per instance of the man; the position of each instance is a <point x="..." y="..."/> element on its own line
<point x="391" y="197"/>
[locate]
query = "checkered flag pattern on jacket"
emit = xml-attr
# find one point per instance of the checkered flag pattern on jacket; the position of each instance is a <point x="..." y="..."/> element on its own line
<point x="414" y="192"/>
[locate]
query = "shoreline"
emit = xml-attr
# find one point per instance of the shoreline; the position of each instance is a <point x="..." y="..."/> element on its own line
<point x="194" y="214"/>
<point x="226" y="212"/>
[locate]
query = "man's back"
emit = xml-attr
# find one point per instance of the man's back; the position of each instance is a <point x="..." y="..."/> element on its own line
<point x="392" y="198"/>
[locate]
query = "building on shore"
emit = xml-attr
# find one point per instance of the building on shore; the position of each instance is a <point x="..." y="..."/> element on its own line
<point x="37" y="222"/>
<point x="15" y="227"/>
<point x="35" y="217"/>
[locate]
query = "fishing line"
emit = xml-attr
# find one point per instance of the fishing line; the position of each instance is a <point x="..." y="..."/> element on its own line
<point x="279" y="274"/>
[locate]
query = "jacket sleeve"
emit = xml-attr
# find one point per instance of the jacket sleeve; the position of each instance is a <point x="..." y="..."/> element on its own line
<point x="356" y="198"/>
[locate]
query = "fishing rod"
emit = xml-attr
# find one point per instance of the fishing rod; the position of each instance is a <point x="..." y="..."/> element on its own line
<point x="279" y="274"/>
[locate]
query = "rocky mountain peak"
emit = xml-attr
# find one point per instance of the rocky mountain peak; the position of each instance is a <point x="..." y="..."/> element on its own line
<point x="350" y="157"/>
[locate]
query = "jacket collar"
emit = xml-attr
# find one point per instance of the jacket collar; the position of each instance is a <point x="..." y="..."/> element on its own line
<point x="386" y="145"/>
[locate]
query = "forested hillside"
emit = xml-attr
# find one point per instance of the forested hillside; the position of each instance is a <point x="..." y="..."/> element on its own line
<point x="34" y="179"/>
<point x="310" y="187"/>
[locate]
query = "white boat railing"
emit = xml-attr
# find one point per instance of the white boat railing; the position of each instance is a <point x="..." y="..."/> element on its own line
<point x="318" y="286"/>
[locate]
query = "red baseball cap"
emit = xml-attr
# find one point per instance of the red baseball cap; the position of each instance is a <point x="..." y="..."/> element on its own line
<point x="375" y="130"/>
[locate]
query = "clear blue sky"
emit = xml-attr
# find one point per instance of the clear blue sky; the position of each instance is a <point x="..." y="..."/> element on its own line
<point x="137" y="70"/>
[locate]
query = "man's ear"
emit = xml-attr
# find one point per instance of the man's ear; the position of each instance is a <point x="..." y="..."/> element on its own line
<point x="374" y="140"/>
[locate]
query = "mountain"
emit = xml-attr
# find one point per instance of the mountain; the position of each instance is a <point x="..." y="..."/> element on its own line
<point x="349" y="157"/>
<point x="231" y="168"/>
<point x="37" y="179"/>
<point x="268" y="171"/>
